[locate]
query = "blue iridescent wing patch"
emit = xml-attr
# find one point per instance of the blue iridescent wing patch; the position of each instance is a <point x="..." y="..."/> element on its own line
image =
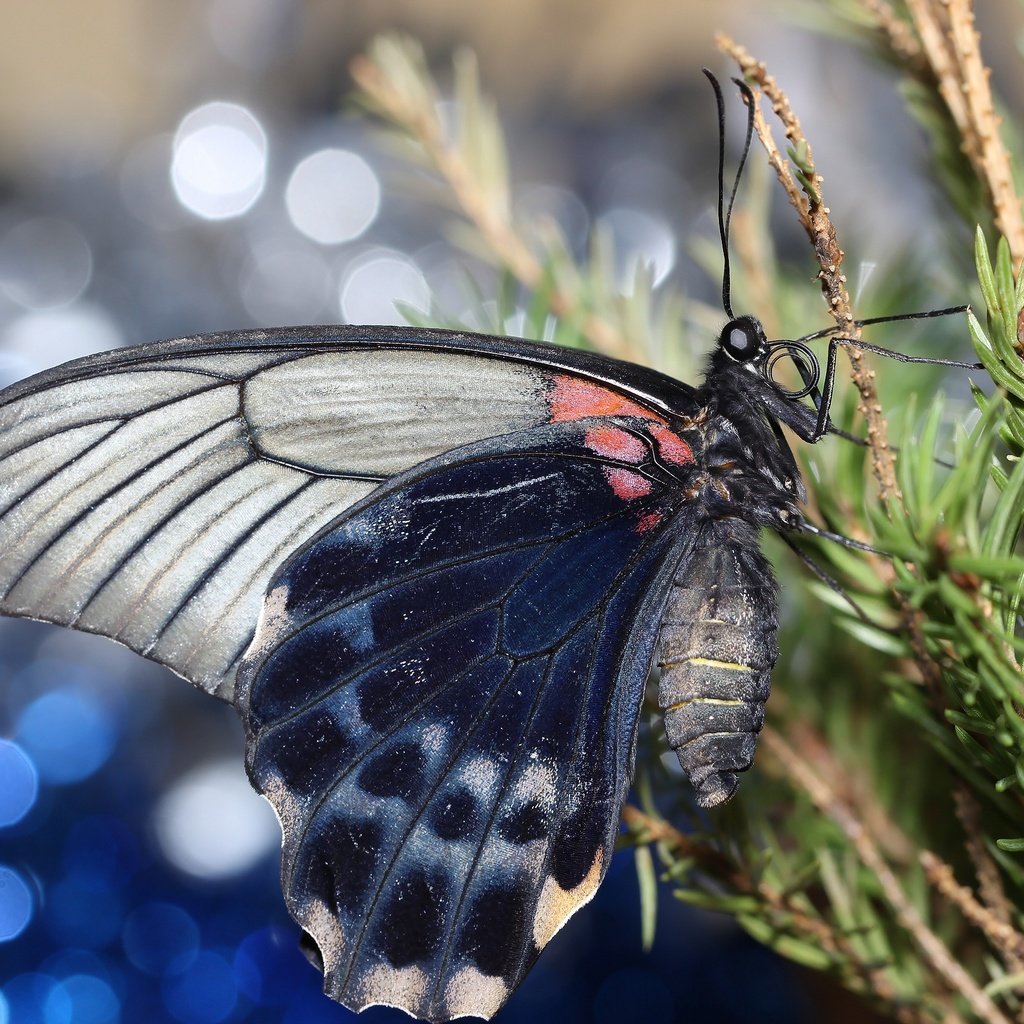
<point x="441" y="703"/>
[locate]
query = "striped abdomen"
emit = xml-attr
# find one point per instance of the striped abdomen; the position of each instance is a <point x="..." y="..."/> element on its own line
<point x="717" y="647"/>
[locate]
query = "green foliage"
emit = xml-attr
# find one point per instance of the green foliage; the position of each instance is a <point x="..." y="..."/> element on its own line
<point x="894" y="758"/>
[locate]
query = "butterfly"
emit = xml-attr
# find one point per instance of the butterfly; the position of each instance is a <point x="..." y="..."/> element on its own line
<point x="431" y="570"/>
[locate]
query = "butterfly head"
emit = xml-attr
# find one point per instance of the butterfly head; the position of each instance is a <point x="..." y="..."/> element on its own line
<point x="744" y="346"/>
<point x="743" y="341"/>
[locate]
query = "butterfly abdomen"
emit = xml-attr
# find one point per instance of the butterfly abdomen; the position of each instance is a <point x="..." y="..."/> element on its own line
<point x="717" y="648"/>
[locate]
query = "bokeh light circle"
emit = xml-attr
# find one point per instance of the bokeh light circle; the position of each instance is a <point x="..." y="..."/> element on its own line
<point x="19" y="783"/>
<point x="68" y="736"/>
<point x="640" y="238"/>
<point x="26" y="996"/>
<point x="332" y="196"/>
<point x="16" y="904"/>
<point x="44" y="262"/>
<point x="211" y="824"/>
<point x="374" y="285"/>
<point x="82" y="999"/>
<point x="219" y="161"/>
<point x="160" y="937"/>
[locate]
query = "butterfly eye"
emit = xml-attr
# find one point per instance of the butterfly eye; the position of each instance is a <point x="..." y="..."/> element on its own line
<point x="742" y="339"/>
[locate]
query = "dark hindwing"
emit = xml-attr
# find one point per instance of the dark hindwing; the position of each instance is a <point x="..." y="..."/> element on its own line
<point x="441" y="703"/>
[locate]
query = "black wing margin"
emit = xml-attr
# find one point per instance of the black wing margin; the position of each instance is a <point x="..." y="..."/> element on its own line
<point x="441" y="704"/>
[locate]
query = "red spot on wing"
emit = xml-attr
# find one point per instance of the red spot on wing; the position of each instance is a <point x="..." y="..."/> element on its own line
<point x="573" y="399"/>
<point x="648" y="522"/>
<point x="614" y="443"/>
<point x="626" y="484"/>
<point x="671" y="447"/>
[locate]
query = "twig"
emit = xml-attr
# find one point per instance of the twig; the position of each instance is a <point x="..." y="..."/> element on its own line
<point x="952" y="47"/>
<point x="932" y="948"/>
<point x="412" y="110"/>
<point x="992" y="160"/>
<point x="714" y="863"/>
<point x="814" y="216"/>
<point x="937" y="49"/>
<point x="1003" y="936"/>
<point x="901" y="39"/>
<point x="852" y="787"/>
<point x="997" y="912"/>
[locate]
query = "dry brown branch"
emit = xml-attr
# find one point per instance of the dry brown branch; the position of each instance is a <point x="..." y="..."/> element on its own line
<point x="933" y="950"/>
<point x="951" y="46"/>
<point x="814" y="215"/>
<point x="792" y="916"/>
<point x="902" y="40"/>
<point x="951" y="49"/>
<point x="992" y="160"/>
<point x="853" y="787"/>
<point x="997" y="909"/>
<point x="1003" y="936"/>
<point x="927" y="20"/>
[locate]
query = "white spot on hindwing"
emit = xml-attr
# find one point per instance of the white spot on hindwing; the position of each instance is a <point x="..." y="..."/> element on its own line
<point x="357" y="623"/>
<point x="384" y="985"/>
<point x="272" y="624"/>
<point x="480" y="776"/>
<point x="556" y="905"/>
<point x="435" y="739"/>
<point x="537" y="780"/>
<point x="471" y="993"/>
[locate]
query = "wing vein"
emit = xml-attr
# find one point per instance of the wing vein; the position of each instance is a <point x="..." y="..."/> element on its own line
<point x="176" y="510"/>
<point x="84" y="512"/>
<point x="412" y="577"/>
<point x="212" y="568"/>
<point x="517" y="758"/>
<point x="50" y="475"/>
<point x="196" y="539"/>
<point x="407" y="642"/>
<point x="417" y="817"/>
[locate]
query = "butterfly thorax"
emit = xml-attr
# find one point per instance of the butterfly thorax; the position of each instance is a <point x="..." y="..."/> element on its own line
<point x="742" y="467"/>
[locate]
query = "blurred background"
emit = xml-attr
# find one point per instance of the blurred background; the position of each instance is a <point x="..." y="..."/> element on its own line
<point x="169" y="169"/>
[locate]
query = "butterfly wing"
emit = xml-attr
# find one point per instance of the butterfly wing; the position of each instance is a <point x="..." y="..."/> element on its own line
<point x="441" y="704"/>
<point x="149" y="494"/>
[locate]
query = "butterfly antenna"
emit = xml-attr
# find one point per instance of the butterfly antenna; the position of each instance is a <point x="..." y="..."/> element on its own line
<point x="723" y="220"/>
<point x="748" y="99"/>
